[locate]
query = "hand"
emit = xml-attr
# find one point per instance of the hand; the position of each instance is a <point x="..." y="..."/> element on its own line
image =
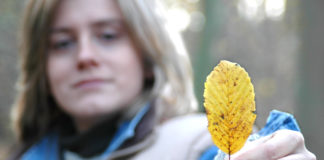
<point x="281" y="145"/>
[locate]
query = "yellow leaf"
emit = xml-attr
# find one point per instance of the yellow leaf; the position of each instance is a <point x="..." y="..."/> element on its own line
<point x="230" y="106"/>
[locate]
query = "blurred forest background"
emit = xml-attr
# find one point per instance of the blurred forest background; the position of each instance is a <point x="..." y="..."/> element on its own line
<point x="279" y="42"/>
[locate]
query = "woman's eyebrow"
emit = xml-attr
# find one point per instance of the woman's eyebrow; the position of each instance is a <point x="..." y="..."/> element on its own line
<point x="60" y="30"/>
<point x="105" y="23"/>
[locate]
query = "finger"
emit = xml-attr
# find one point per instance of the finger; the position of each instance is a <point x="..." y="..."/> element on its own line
<point x="299" y="157"/>
<point x="280" y="144"/>
<point x="294" y="157"/>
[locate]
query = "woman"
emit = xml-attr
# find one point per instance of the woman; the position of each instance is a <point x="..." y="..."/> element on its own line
<point x="105" y="79"/>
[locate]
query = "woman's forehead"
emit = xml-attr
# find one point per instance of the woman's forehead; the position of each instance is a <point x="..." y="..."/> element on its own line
<point x="98" y="24"/>
<point x="78" y="12"/>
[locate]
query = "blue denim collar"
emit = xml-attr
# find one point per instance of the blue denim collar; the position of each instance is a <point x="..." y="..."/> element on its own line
<point x="47" y="148"/>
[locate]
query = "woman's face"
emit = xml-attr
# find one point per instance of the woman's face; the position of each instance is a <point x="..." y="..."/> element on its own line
<point x="93" y="67"/>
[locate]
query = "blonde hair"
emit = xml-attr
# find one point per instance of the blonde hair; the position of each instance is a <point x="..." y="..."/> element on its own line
<point x="35" y="111"/>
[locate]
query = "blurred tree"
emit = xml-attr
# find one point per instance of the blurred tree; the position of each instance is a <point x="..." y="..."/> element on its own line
<point x="311" y="75"/>
<point x="9" y="19"/>
<point x="201" y="60"/>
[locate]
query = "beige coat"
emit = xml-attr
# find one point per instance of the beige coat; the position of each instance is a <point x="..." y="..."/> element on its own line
<point x="181" y="138"/>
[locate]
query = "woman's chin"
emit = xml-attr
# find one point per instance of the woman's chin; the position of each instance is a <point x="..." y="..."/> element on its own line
<point x="92" y="109"/>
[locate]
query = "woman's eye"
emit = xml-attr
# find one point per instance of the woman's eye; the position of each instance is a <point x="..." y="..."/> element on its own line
<point x="109" y="36"/>
<point x="61" y="45"/>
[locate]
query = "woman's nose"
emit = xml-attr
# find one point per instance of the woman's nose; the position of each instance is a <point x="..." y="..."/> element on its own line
<point x="87" y="56"/>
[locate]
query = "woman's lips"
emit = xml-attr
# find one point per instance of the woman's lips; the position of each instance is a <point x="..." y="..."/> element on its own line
<point x="90" y="83"/>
